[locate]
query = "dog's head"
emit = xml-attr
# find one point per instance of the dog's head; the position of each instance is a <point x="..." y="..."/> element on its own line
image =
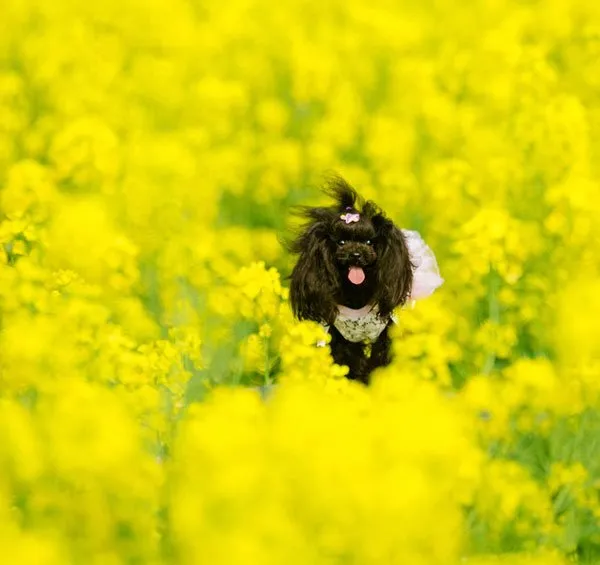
<point x="350" y="254"/>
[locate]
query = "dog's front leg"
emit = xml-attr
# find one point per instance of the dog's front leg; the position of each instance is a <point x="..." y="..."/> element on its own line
<point x="381" y="351"/>
<point x="352" y="355"/>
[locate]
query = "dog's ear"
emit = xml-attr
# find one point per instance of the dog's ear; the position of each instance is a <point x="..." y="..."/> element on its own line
<point x="394" y="269"/>
<point x="314" y="279"/>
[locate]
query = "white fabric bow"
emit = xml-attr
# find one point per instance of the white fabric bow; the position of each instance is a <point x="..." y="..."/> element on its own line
<point x="426" y="274"/>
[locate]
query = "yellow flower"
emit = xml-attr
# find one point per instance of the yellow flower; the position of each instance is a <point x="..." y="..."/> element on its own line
<point x="150" y="153"/>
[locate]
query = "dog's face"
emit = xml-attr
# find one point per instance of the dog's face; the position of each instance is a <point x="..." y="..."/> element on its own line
<point x="354" y="248"/>
<point x="349" y="254"/>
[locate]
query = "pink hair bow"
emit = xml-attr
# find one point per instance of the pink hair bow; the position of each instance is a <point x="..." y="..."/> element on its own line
<point x="349" y="218"/>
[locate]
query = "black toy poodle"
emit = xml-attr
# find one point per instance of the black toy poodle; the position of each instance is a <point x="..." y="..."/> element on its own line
<point x="354" y="268"/>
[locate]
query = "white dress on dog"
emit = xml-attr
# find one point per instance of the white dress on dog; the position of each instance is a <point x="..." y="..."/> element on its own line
<point x="365" y="324"/>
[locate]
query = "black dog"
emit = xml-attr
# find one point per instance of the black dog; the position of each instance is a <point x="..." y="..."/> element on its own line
<point x="353" y="270"/>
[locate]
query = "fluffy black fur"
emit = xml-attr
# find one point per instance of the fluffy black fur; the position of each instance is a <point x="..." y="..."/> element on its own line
<point x="327" y="247"/>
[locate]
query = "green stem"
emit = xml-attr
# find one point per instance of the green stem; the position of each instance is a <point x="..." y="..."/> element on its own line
<point x="493" y="315"/>
<point x="267" y="374"/>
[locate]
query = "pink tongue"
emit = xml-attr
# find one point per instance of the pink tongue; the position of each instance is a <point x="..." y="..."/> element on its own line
<point x="356" y="275"/>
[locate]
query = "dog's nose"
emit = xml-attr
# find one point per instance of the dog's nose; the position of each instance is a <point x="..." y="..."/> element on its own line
<point x="356" y="255"/>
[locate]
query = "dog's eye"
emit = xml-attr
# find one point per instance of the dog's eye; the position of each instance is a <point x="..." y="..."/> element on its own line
<point x="369" y="242"/>
<point x="342" y="242"/>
